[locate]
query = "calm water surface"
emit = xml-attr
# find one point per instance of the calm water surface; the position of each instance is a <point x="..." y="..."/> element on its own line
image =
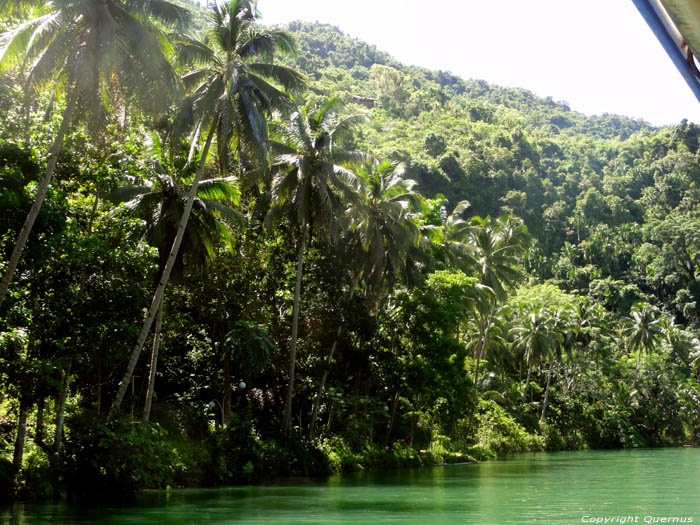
<point x="567" y="487"/>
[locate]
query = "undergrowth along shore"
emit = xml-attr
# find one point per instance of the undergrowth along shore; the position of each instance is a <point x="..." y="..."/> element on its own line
<point x="116" y="461"/>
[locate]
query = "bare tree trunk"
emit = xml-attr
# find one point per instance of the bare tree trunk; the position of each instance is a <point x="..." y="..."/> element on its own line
<point x="527" y="380"/>
<point x="227" y="385"/>
<point x="546" y="390"/>
<point x="414" y="423"/>
<point x="394" y="406"/>
<point x="39" y="429"/>
<point x="99" y="387"/>
<point x="61" y="409"/>
<point x="331" y="413"/>
<point x="24" y="406"/>
<point x="154" y="364"/>
<point x="287" y="417"/>
<point x="38" y="201"/>
<point x="329" y="360"/>
<point x="160" y="290"/>
<point x="480" y="356"/>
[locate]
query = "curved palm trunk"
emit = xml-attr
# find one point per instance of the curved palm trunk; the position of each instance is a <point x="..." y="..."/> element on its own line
<point x="329" y="359"/>
<point x="61" y="409"/>
<point x="287" y="417"/>
<point x="160" y="290"/>
<point x="227" y="386"/>
<point x="639" y="360"/>
<point x="154" y="364"/>
<point x="394" y="406"/>
<point x="25" y="405"/>
<point x="529" y="373"/>
<point x="39" y="200"/>
<point x="479" y="357"/>
<point x="546" y="391"/>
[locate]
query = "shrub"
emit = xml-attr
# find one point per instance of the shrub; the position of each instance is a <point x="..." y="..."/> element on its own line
<point x="6" y="479"/>
<point x="500" y="434"/>
<point x="116" y="460"/>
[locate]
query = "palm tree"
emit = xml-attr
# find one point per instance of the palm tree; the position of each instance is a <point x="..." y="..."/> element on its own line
<point x="385" y="231"/>
<point x="453" y="236"/>
<point x="313" y="185"/>
<point x="644" y="328"/>
<point x="555" y="350"/>
<point x="496" y="247"/>
<point x="96" y="53"/>
<point x="535" y="336"/>
<point x="231" y="97"/>
<point x="383" y="220"/>
<point x="160" y="204"/>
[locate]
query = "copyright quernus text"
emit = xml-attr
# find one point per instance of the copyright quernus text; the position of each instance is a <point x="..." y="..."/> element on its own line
<point x="621" y="520"/>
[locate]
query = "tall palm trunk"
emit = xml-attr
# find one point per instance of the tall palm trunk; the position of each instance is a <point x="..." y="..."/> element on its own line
<point x="287" y="417"/>
<point x="479" y="357"/>
<point x="227" y="386"/>
<point x="61" y="409"/>
<point x="390" y="426"/>
<point x="529" y="373"/>
<point x="154" y="364"/>
<point x="329" y="359"/>
<point x="39" y="199"/>
<point x="24" y="406"/>
<point x="546" y="390"/>
<point x="39" y="427"/>
<point x="160" y="290"/>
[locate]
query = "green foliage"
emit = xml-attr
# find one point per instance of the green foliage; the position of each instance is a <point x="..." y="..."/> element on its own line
<point x="499" y="434"/>
<point x="6" y="479"/>
<point x="501" y="274"/>
<point x="112" y="461"/>
<point x="434" y="145"/>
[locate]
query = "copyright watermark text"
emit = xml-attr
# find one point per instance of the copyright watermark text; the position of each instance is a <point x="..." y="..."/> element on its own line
<point x="621" y="520"/>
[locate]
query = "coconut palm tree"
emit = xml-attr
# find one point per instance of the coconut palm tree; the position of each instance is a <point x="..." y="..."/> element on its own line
<point x="96" y="54"/>
<point x="644" y="328"/>
<point x="453" y="235"/>
<point x="559" y="328"/>
<point x="382" y="224"/>
<point x="496" y="248"/>
<point x="312" y="185"/>
<point x="231" y="95"/>
<point x="160" y="204"/>
<point x="534" y="336"/>
<point x="383" y="220"/>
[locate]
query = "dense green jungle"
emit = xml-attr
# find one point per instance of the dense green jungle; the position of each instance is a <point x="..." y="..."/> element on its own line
<point x="233" y="252"/>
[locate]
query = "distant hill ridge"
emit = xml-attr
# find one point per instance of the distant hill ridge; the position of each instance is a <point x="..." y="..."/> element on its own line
<point x="323" y="45"/>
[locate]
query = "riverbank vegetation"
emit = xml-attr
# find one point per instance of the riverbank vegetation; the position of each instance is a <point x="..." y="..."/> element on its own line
<point x="232" y="252"/>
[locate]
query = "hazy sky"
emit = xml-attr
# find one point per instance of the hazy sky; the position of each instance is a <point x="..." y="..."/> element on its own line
<point x="598" y="55"/>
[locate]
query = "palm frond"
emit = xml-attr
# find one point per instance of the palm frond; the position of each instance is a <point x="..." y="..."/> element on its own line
<point x="166" y="12"/>
<point x="351" y="157"/>
<point x="347" y="125"/>
<point x="286" y="77"/>
<point x="230" y="215"/>
<point x="15" y="45"/>
<point x="127" y="193"/>
<point x="191" y="52"/>
<point x="222" y="190"/>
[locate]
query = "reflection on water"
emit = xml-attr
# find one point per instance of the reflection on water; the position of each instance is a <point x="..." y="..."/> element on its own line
<point x="567" y="487"/>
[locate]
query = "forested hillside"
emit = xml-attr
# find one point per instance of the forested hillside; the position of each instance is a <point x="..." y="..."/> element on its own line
<point x="605" y="197"/>
<point x="278" y="251"/>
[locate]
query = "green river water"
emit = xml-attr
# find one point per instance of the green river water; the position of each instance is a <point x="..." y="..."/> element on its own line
<point x="627" y="486"/>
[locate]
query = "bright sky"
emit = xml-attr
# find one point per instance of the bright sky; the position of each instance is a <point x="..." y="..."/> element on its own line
<point x="598" y="55"/>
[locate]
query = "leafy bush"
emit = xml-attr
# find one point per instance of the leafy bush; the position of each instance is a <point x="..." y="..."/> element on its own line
<point x="500" y="434"/>
<point x="5" y="479"/>
<point x="38" y="479"/>
<point x="116" y="460"/>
